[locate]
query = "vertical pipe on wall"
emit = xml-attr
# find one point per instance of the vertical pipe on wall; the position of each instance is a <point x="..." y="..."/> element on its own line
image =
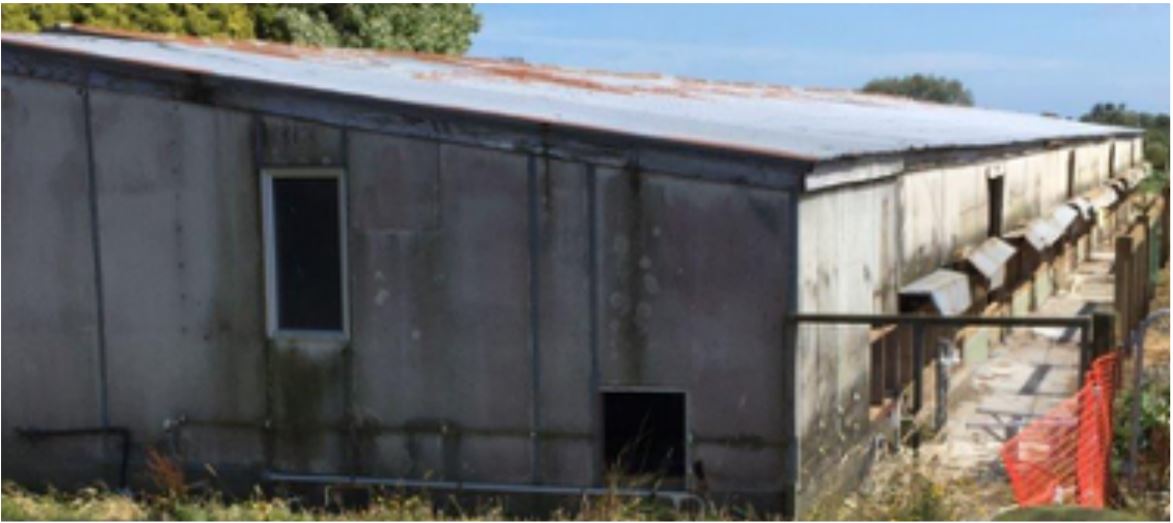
<point x="790" y="361"/>
<point x="534" y="331"/>
<point x="593" y="299"/>
<point x="351" y="444"/>
<point x="269" y="435"/>
<point x="96" y="249"/>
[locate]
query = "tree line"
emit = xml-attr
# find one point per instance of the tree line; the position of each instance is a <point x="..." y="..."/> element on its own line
<point x="949" y="91"/>
<point x="429" y="28"/>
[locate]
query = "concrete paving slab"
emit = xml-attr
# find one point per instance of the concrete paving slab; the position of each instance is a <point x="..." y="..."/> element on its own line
<point x="1028" y="374"/>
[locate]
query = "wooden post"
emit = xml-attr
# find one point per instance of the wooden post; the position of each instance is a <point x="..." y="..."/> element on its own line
<point x="1161" y="219"/>
<point x="1143" y="290"/>
<point x="1103" y="336"/>
<point x="1124" y="282"/>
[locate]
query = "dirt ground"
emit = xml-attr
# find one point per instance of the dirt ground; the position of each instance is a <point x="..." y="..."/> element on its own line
<point x="1156" y="344"/>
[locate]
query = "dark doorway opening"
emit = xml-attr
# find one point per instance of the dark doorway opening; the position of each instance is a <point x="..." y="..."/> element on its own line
<point x="995" y="192"/>
<point x="644" y="432"/>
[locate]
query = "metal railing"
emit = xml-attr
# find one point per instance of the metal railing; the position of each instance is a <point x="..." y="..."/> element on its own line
<point x="1096" y="333"/>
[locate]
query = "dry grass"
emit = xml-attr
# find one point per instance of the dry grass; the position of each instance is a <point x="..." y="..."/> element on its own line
<point x="97" y="504"/>
<point x="904" y="487"/>
<point x="19" y="505"/>
<point x="1156" y="345"/>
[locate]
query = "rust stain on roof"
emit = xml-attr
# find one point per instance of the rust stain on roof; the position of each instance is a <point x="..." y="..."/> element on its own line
<point x="775" y="120"/>
<point x="586" y="79"/>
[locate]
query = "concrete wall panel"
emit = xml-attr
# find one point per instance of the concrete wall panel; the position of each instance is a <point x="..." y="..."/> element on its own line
<point x="50" y="328"/>
<point x="845" y="267"/>
<point x="441" y="316"/>
<point x="564" y="299"/>
<point x="675" y="251"/>
<point x="287" y="142"/>
<point x="179" y="224"/>
<point x="394" y="183"/>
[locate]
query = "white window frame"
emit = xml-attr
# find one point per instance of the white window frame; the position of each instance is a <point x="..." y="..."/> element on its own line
<point x="270" y="245"/>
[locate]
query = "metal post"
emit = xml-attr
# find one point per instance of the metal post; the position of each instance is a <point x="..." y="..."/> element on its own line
<point x="1124" y="267"/>
<point x="1137" y="346"/>
<point x="1085" y="350"/>
<point x="1103" y="336"/>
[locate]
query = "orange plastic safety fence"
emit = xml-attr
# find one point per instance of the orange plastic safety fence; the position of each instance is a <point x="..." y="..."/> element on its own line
<point x="1063" y="456"/>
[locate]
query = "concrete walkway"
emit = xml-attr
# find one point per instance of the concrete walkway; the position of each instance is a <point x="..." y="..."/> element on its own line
<point x="1027" y="374"/>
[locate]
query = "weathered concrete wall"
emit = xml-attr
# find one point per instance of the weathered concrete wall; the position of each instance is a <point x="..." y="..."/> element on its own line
<point x="1123" y="155"/>
<point x="181" y="273"/>
<point x="1091" y="164"/>
<point x="51" y="357"/>
<point x="693" y="290"/>
<point x="860" y="243"/>
<point x="308" y="383"/>
<point x="450" y="402"/>
<point x="844" y="266"/>
<point x="441" y="313"/>
<point x="493" y="296"/>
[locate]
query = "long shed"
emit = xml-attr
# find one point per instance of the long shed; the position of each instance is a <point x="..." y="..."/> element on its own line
<point x="318" y="265"/>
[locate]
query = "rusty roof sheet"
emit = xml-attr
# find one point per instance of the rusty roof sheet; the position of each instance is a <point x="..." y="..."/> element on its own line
<point x="948" y="290"/>
<point x="809" y="124"/>
<point x="989" y="258"/>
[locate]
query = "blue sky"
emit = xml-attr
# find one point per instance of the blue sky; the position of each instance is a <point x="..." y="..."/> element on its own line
<point x="1058" y="58"/>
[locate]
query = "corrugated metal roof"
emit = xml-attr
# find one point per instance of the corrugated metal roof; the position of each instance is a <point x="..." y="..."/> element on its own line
<point x="948" y="290"/>
<point x="811" y="124"/>
<point x="990" y="258"/>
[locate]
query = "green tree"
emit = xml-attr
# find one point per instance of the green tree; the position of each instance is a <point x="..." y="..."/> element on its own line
<point x="922" y="87"/>
<point x="444" y="28"/>
<point x="1156" y="129"/>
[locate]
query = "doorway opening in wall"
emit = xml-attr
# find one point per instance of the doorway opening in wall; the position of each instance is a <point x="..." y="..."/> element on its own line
<point x="1071" y="175"/>
<point x="1112" y="161"/>
<point x="644" y="434"/>
<point x="305" y="252"/>
<point x="994" y="192"/>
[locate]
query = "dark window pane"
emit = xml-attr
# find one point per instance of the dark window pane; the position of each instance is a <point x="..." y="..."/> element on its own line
<point x="643" y="433"/>
<point x="309" y="258"/>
